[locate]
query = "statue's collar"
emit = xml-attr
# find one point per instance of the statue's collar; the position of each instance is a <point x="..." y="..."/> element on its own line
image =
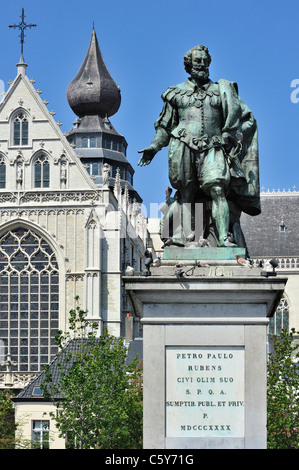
<point x="195" y="86"/>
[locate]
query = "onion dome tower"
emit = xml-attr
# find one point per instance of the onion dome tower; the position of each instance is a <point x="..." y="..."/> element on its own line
<point x="94" y="96"/>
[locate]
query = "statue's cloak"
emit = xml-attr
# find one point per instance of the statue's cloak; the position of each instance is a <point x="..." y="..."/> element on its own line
<point x="238" y="118"/>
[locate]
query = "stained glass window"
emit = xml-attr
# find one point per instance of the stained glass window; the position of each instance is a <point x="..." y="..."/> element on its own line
<point x="2" y="173"/>
<point x="20" y="129"/>
<point x="41" y="172"/>
<point x="29" y="299"/>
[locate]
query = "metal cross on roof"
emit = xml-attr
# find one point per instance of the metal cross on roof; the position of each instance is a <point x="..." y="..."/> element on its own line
<point x="22" y="27"/>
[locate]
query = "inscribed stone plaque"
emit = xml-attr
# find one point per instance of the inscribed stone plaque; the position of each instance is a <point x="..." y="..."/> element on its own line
<point x="204" y="392"/>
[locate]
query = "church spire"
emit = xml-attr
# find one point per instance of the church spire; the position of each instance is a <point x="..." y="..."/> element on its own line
<point x="93" y="90"/>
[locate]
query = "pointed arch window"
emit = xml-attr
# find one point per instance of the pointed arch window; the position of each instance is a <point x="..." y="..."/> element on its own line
<point x="41" y="172"/>
<point x="280" y="318"/>
<point x="2" y="173"/>
<point x="20" y="129"/>
<point x="29" y="299"/>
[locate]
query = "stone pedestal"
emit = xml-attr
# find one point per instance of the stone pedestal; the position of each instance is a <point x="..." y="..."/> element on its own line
<point x="204" y="353"/>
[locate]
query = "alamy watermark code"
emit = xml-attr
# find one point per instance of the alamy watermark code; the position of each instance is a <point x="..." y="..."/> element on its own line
<point x="295" y="93"/>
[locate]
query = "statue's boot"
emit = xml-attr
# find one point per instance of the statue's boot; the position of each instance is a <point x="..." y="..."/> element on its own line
<point x="178" y="241"/>
<point x="226" y="242"/>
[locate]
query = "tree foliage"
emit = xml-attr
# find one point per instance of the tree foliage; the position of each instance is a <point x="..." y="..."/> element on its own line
<point x="283" y="393"/>
<point x="7" y="424"/>
<point x="99" y="395"/>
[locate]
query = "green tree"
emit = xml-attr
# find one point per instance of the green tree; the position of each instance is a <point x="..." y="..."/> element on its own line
<point x="11" y="435"/>
<point x="7" y="424"/>
<point x="98" y="395"/>
<point x="283" y="393"/>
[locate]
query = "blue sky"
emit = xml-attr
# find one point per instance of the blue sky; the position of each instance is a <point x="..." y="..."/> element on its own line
<point x="254" y="43"/>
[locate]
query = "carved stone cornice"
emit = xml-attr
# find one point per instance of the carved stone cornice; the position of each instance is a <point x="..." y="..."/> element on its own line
<point x="56" y="197"/>
<point x="30" y="212"/>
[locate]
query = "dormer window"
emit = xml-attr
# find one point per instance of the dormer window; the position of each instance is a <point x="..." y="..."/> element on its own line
<point x="37" y="392"/>
<point x="282" y="226"/>
<point x="89" y="83"/>
<point x="20" y="129"/>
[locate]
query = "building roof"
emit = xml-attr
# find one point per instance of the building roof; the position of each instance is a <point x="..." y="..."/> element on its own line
<point x="32" y="392"/>
<point x="275" y="232"/>
<point x="94" y="96"/>
<point x="28" y="392"/>
<point x="93" y="90"/>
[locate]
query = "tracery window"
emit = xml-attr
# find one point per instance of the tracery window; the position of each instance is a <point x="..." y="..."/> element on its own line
<point x="20" y="129"/>
<point x="29" y="299"/>
<point x="280" y="318"/>
<point x="41" y="172"/>
<point x="2" y="173"/>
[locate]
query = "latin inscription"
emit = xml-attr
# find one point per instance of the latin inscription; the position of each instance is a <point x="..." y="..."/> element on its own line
<point x="204" y="392"/>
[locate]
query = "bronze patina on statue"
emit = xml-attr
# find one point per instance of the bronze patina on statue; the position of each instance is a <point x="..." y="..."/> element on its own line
<point x="213" y="157"/>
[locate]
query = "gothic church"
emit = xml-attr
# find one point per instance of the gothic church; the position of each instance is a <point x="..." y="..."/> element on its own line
<point x="70" y="218"/>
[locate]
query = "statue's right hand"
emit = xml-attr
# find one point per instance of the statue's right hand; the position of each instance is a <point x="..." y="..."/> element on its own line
<point x="148" y="155"/>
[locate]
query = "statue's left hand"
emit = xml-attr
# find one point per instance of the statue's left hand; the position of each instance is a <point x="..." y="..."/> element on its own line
<point x="148" y="155"/>
<point x="229" y="140"/>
